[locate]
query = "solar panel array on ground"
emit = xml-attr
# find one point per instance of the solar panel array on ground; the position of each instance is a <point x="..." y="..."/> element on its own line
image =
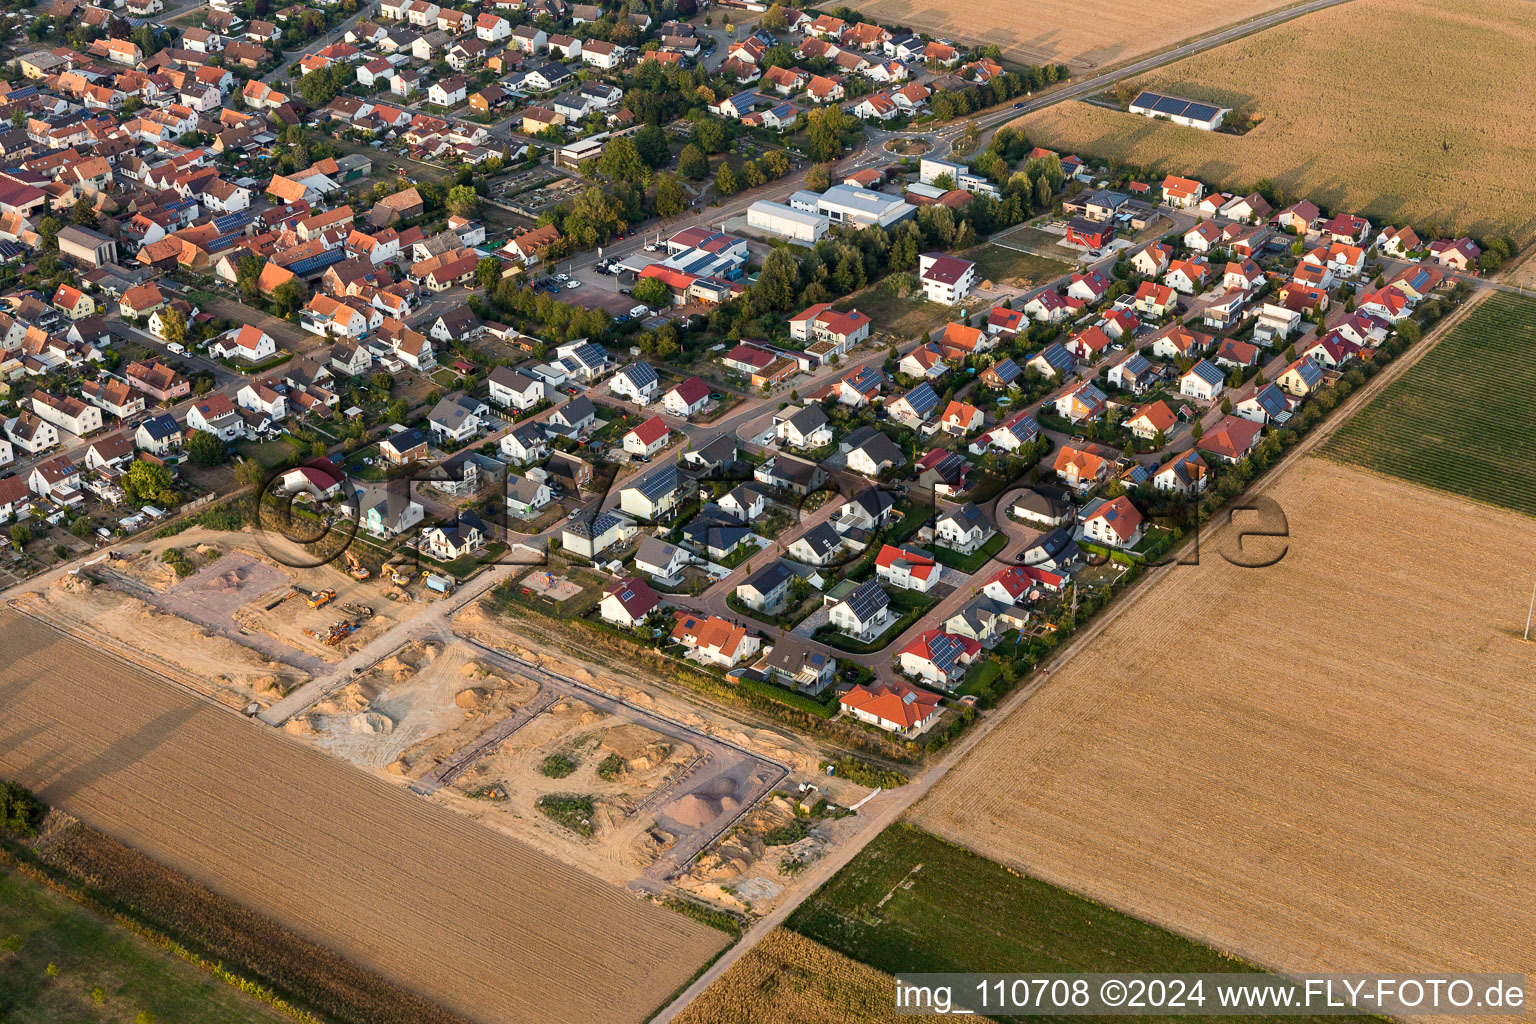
<point x="1172" y="106"/>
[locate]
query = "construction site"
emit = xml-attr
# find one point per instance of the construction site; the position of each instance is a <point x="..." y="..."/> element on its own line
<point x="267" y="624"/>
<point x="602" y="766"/>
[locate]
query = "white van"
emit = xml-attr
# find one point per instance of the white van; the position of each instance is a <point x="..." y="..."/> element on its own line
<point x="639" y="311"/>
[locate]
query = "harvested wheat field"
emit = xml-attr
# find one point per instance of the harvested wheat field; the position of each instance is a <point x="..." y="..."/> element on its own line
<point x="1323" y="765"/>
<point x="1435" y="139"/>
<point x="1084" y="35"/>
<point x="787" y="977"/>
<point x="456" y="912"/>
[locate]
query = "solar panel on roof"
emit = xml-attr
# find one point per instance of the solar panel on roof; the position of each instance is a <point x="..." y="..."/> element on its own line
<point x="1169" y="105"/>
<point x="1200" y="111"/>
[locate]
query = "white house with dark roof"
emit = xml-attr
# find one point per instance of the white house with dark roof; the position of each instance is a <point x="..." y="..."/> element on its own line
<point x="636" y="382"/>
<point x="864" y="613"/>
<point x="512" y="390"/>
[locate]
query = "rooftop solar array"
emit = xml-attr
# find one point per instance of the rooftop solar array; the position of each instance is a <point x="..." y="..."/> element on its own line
<point x="1172" y="106"/>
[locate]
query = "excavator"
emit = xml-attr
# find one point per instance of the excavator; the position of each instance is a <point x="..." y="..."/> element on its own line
<point x="358" y="570"/>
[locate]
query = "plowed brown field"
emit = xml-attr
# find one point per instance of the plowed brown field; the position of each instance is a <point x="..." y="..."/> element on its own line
<point x="1083" y="33"/>
<point x="1456" y="164"/>
<point x="1326" y="764"/>
<point x="463" y="915"/>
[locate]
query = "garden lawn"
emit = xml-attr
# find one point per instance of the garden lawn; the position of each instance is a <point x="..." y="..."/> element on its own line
<point x="976" y="559"/>
<point x="911" y="316"/>
<point x="999" y="263"/>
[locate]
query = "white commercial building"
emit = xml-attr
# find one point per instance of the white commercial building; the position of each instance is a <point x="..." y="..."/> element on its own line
<point x="849" y="204"/>
<point x="778" y="219"/>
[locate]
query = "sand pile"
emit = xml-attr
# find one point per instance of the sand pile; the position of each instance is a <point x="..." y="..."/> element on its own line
<point x="230" y="580"/>
<point x="696" y="810"/>
<point x="643" y="749"/>
<point x="369" y="722"/>
<point x="350" y="699"/>
<point x="471" y="699"/>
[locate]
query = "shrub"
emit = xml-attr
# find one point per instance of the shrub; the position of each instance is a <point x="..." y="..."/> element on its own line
<point x="557" y="766"/>
<point x="610" y="768"/>
<point x="574" y="812"/>
<point x="864" y="773"/>
<point x="20" y="812"/>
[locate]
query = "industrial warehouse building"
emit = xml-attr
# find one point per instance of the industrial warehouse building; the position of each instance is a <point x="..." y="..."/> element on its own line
<point x="848" y="204"/>
<point x="778" y="219"/>
<point x="1205" y="116"/>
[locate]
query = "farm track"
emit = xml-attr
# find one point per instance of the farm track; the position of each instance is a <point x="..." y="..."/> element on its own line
<point x="420" y="894"/>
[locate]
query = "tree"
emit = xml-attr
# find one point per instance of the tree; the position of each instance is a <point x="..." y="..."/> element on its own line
<point x="463" y="201"/>
<point x="752" y="174"/>
<point x="174" y="325"/>
<point x="21" y="534"/>
<point x="83" y="214"/>
<point x="148" y="483"/>
<point x="671" y="199"/>
<point x="818" y="177"/>
<point x="248" y="275"/>
<point x="824" y="134"/>
<point x="487" y="272"/>
<point x="1226" y="404"/>
<point x="710" y="135"/>
<point x="20" y="812"/>
<point x="774" y="163"/>
<point x="205" y="449"/>
<point x="775" y="20"/>
<point x="651" y="143"/>
<point x="651" y="292"/>
<point x="621" y="161"/>
<point x="692" y="163"/>
<point x="48" y="231"/>
<point x="289" y="296"/>
<point x="777" y="285"/>
<point x="725" y="180"/>
<point x="1197" y="431"/>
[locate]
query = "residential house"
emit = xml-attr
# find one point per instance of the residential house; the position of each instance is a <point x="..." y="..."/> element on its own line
<point x="898" y="709"/>
<point x="1115" y="523"/>
<point x="628" y="601"/>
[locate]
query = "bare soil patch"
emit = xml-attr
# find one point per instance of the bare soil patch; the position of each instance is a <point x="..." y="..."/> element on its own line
<point x="217" y="666"/>
<point x="412" y="709"/>
<point x="1322" y="765"/>
<point x="468" y="918"/>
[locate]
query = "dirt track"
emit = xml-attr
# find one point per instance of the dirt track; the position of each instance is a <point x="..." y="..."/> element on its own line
<point x="463" y="915"/>
<point x="1320" y="765"/>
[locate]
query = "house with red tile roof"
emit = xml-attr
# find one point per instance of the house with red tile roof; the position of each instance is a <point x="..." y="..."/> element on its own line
<point x="904" y="710"/>
<point x="648" y="438"/>
<point x="938" y="657"/>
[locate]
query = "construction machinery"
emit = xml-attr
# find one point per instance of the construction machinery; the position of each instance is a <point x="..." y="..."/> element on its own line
<point x="321" y="598"/>
<point x="358" y="570"/>
<point x="337" y="632"/>
<point x="360" y="612"/>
